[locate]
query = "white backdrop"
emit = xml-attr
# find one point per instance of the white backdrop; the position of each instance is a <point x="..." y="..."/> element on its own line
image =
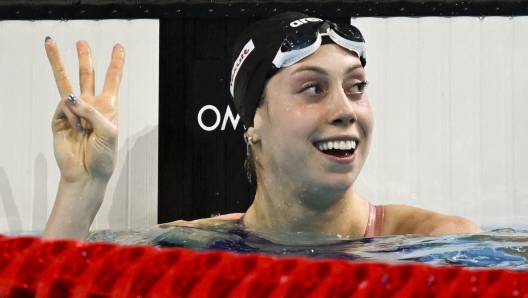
<point x="28" y="97"/>
<point x="451" y="115"/>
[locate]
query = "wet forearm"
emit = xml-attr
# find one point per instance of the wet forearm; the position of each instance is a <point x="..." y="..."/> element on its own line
<point x="75" y="208"/>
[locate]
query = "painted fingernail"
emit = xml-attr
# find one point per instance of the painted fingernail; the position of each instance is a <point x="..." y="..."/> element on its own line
<point x="80" y="128"/>
<point x="47" y="37"/>
<point x="73" y="100"/>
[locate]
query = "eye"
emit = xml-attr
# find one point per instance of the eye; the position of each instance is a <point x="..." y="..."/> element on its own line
<point x="358" y="88"/>
<point x="312" y="89"/>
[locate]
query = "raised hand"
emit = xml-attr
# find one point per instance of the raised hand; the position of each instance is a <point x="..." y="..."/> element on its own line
<point x="85" y="126"/>
<point x="84" y="140"/>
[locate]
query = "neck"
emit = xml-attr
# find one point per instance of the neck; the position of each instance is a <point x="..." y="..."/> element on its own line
<point x="278" y="206"/>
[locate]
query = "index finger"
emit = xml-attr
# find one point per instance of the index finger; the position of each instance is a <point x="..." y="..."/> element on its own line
<point x="59" y="71"/>
<point x="115" y="71"/>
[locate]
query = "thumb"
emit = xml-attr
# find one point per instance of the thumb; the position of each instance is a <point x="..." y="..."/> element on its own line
<point x="101" y="125"/>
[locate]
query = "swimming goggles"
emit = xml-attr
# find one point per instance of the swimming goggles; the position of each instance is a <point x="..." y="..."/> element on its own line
<point x="306" y="41"/>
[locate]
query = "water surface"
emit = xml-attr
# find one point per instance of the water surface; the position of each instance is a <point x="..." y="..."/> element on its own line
<point x="499" y="248"/>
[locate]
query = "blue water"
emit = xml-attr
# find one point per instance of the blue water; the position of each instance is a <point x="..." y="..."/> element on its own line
<point x="498" y="248"/>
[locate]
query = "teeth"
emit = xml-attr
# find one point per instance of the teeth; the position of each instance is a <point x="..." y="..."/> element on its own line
<point x="341" y="145"/>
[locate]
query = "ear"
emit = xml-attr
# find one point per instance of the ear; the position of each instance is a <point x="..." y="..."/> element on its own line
<point x="256" y="130"/>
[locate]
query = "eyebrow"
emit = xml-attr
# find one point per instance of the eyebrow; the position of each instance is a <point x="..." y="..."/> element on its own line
<point x="321" y="71"/>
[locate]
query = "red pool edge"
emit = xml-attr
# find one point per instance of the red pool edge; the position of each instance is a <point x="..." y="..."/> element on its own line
<point x="33" y="267"/>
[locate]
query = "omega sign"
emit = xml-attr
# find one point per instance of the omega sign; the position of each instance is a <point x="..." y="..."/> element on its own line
<point x="227" y="116"/>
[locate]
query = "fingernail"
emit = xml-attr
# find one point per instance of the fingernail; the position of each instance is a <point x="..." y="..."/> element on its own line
<point x="47" y="37"/>
<point x="80" y="128"/>
<point x="73" y="100"/>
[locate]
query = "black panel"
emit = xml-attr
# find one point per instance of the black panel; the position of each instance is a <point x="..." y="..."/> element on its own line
<point x="201" y="172"/>
<point x="168" y="9"/>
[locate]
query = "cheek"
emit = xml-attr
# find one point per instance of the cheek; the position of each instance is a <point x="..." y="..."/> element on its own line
<point x="296" y="118"/>
<point x="365" y="116"/>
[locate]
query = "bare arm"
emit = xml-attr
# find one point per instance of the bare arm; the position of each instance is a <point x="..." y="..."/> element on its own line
<point x="84" y="141"/>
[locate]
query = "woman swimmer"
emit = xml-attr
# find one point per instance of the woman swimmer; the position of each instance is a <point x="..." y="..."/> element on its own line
<point x="298" y="84"/>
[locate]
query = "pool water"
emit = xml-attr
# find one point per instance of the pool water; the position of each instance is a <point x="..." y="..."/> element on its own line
<point x="497" y="248"/>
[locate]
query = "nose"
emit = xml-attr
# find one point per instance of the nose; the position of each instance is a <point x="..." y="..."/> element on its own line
<point x="341" y="110"/>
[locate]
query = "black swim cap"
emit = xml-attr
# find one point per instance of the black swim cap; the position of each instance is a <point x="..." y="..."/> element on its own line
<point x="253" y="53"/>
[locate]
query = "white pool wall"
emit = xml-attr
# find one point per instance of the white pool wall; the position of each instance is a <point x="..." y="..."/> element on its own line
<point x="29" y="96"/>
<point x="451" y="115"/>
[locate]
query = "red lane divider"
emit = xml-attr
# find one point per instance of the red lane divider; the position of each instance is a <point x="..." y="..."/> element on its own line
<point x="32" y="267"/>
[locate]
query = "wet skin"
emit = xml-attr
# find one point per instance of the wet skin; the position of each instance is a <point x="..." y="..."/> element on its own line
<point x="316" y="100"/>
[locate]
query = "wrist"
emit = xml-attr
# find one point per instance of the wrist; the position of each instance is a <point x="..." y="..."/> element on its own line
<point x="75" y="208"/>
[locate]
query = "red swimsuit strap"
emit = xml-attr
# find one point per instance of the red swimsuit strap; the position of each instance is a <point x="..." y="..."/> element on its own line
<point x="375" y="221"/>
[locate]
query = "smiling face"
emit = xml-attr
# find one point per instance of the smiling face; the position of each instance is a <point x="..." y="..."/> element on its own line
<point x="312" y="108"/>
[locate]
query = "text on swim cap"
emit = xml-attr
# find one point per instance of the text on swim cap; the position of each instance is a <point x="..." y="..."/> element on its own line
<point x="241" y="57"/>
<point x="299" y="22"/>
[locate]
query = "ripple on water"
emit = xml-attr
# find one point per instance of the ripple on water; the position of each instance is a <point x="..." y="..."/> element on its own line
<point x="503" y="248"/>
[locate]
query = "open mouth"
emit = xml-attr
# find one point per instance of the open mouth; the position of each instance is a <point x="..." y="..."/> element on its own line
<point x="338" y="149"/>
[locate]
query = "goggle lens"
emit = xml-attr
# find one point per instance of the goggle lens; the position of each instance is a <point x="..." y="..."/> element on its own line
<point x="347" y="31"/>
<point x="299" y="40"/>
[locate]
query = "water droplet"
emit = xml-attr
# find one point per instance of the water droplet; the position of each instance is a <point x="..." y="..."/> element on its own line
<point x="215" y="214"/>
<point x="210" y="10"/>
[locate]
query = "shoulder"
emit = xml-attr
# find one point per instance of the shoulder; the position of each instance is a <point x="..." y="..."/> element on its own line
<point x="402" y="219"/>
